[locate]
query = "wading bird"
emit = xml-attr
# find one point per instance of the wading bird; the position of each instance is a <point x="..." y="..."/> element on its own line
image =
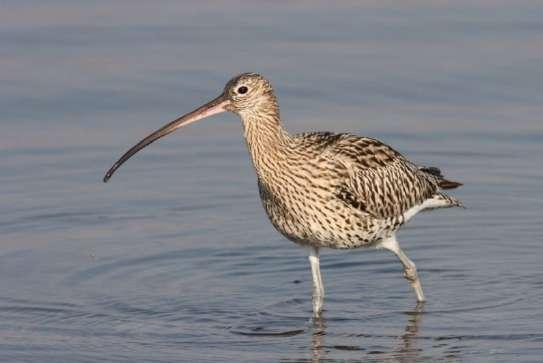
<point x="322" y="189"/>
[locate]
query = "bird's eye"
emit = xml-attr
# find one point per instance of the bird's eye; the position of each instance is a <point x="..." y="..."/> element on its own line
<point x="242" y="90"/>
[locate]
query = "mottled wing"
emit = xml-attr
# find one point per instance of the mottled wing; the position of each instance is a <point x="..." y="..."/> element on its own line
<point x="380" y="180"/>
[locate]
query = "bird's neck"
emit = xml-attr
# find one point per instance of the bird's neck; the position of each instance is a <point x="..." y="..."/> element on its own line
<point x="268" y="143"/>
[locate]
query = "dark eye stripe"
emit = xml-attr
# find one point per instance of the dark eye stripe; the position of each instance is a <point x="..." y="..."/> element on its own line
<point x="242" y="89"/>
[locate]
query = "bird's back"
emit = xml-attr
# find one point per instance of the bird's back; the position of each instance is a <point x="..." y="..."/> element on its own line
<point x="380" y="178"/>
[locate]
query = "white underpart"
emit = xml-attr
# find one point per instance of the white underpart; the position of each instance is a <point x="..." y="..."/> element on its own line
<point x="410" y="270"/>
<point x="435" y="202"/>
<point x="318" y="288"/>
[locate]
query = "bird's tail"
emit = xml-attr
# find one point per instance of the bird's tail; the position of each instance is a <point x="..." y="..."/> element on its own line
<point x="441" y="181"/>
<point x="449" y="184"/>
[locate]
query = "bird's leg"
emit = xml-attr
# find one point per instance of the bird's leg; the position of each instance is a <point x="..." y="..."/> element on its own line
<point x="318" y="288"/>
<point x="410" y="270"/>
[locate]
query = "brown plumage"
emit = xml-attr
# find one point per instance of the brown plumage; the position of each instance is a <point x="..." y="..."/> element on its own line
<point x="322" y="189"/>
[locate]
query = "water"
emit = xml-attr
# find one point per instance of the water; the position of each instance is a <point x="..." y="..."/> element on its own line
<point x="174" y="259"/>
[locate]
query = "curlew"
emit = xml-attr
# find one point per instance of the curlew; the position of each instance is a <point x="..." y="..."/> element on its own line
<point x="321" y="189"/>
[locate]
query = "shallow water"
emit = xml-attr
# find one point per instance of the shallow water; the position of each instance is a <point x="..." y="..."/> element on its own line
<point x="174" y="260"/>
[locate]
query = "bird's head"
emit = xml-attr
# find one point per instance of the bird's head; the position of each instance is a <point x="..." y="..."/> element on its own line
<point x="246" y="95"/>
<point x="249" y="93"/>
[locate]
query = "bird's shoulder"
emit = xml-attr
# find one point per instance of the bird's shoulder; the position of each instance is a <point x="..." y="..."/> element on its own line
<point x="360" y="151"/>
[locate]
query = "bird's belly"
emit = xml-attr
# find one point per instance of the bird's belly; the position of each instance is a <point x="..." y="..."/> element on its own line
<point x="331" y="224"/>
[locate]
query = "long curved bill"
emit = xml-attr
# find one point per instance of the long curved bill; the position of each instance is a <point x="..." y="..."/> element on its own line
<point x="214" y="107"/>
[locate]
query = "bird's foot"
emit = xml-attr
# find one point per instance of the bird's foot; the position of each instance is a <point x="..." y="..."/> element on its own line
<point x="317" y="315"/>
<point x="411" y="275"/>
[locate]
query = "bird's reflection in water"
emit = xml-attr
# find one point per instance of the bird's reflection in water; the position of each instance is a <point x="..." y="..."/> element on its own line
<point x="317" y="338"/>
<point x="407" y="349"/>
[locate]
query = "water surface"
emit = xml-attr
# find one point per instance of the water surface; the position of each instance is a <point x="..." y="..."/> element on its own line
<point x="174" y="259"/>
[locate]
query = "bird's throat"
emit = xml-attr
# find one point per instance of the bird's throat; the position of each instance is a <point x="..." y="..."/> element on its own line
<point x="268" y="144"/>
